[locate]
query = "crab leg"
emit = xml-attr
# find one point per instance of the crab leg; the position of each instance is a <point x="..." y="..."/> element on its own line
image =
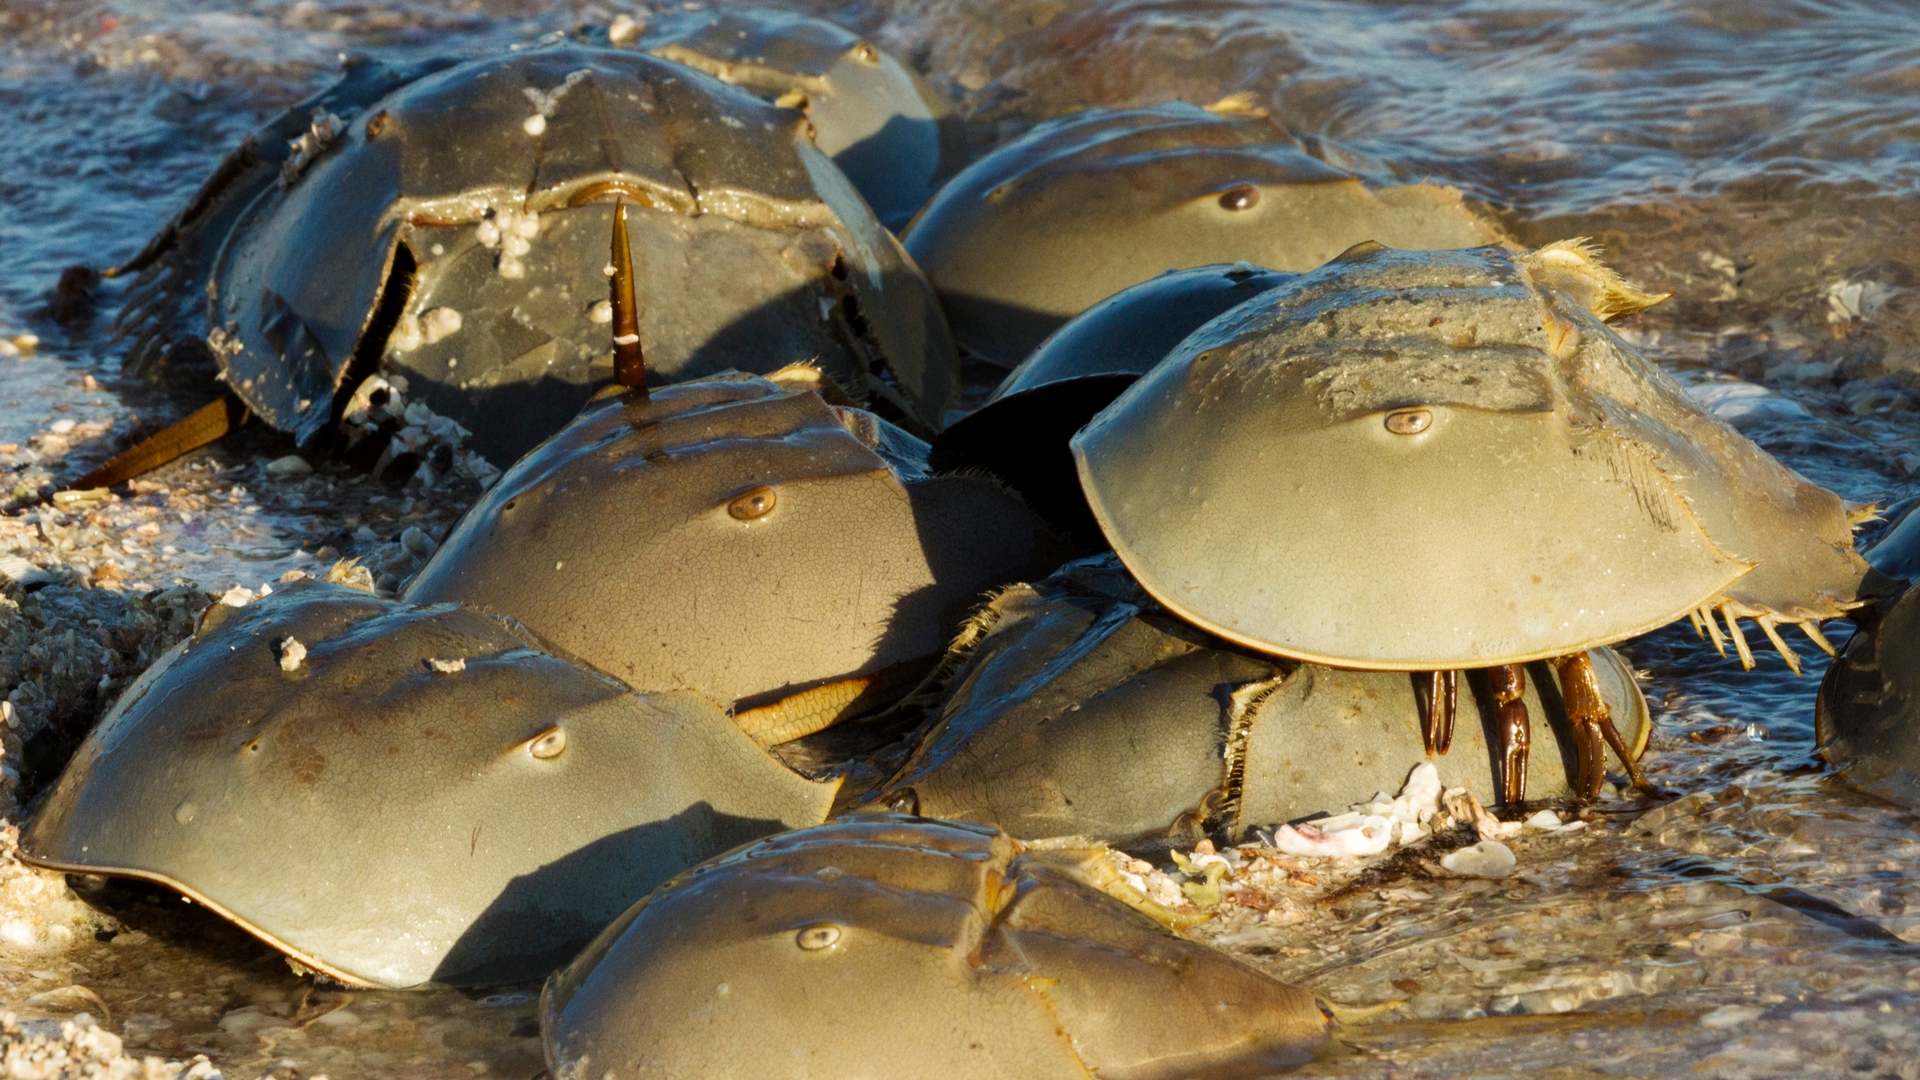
<point x="1593" y="728"/>
<point x="1443" y="696"/>
<point x="1516" y="729"/>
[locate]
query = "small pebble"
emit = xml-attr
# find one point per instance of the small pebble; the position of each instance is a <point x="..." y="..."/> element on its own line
<point x="448" y="667"/>
<point x="291" y="467"/>
<point x="292" y="655"/>
<point x="1545" y="820"/>
<point x="1486" y="859"/>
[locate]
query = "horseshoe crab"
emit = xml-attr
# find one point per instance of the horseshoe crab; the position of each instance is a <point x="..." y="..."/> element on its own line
<point x="1866" y="724"/>
<point x="1433" y="461"/>
<point x="1020" y="434"/>
<point x="1086" y="205"/>
<point x="740" y="537"/>
<point x="893" y="135"/>
<point x="1080" y="707"/>
<point x="393" y="794"/>
<point x="448" y="222"/>
<point x="882" y="944"/>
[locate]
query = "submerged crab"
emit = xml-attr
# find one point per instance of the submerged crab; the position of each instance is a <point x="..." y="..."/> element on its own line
<point x="739" y="536"/>
<point x="1086" y="205"/>
<point x="1020" y="434"/>
<point x="1445" y="460"/>
<point x="1080" y="707"/>
<point x="393" y="794"/>
<point x="886" y="945"/>
<point x="449" y="221"/>
<point x="1867" y="717"/>
<point x="893" y="135"/>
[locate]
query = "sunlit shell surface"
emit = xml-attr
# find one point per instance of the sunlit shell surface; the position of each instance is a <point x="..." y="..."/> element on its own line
<point x="453" y="224"/>
<point x="893" y="135"/>
<point x="1084" y="206"/>
<point x="883" y="945"/>
<point x="742" y="538"/>
<point x="1419" y="460"/>
<point x="394" y="794"/>
<point x="1020" y="434"/>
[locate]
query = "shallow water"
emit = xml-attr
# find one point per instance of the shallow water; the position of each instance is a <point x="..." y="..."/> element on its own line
<point x="1755" y="158"/>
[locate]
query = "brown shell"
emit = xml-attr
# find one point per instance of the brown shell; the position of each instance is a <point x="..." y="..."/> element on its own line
<point x="883" y="945"/>
<point x="1086" y="205"/>
<point x="1418" y="460"/>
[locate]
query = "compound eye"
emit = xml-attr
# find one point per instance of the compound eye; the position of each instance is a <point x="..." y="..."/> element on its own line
<point x="818" y="936"/>
<point x="752" y="503"/>
<point x="1244" y="197"/>
<point x="1409" y="421"/>
<point x="549" y="744"/>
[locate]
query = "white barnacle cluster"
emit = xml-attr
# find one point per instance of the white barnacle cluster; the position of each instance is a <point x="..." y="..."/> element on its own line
<point x="512" y="232"/>
<point x="425" y="328"/>
<point x="380" y="403"/>
<point x="545" y="101"/>
<point x="323" y="130"/>
<point x="1369" y="828"/>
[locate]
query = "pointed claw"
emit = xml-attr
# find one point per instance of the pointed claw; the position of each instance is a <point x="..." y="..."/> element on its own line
<point x="1509" y="683"/>
<point x="1713" y="628"/>
<point x="1450" y="697"/>
<point x="1812" y="630"/>
<point x="1698" y="630"/>
<point x="1593" y="727"/>
<point x="1766" y="627"/>
<point x="1739" y="638"/>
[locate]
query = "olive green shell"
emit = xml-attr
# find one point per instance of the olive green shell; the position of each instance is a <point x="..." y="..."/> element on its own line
<point x="620" y="541"/>
<point x="1087" y="710"/>
<point x="1867" y="718"/>
<point x="1020" y="434"/>
<point x="1086" y="205"/>
<point x="882" y="945"/>
<point x="752" y="250"/>
<point x="1560" y="491"/>
<point x="893" y="135"/>
<point x="388" y="823"/>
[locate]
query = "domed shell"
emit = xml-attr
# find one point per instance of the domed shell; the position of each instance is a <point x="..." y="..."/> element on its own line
<point x="883" y="945"/>
<point x="1867" y="717"/>
<point x="454" y="229"/>
<point x="393" y="795"/>
<point x="742" y="538"/>
<point x="894" y="136"/>
<point x="1020" y="435"/>
<point x="1086" y="205"/>
<point x="1421" y="460"/>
